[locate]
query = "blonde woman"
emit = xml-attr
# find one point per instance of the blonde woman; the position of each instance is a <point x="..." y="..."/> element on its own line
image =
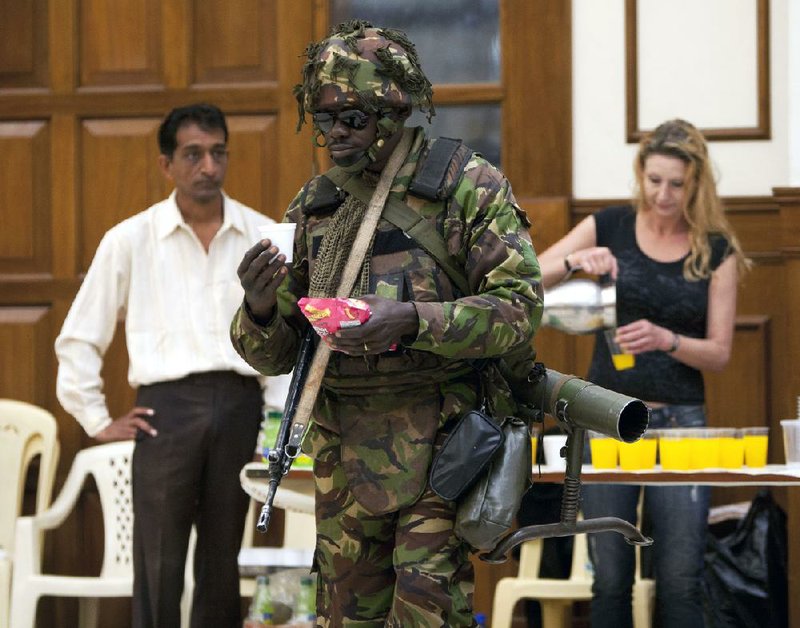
<point x="676" y="263"/>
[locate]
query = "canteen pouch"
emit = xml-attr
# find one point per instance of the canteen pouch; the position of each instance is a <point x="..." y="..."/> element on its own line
<point x="465" y="454"/>
<point x="488" y="510"/>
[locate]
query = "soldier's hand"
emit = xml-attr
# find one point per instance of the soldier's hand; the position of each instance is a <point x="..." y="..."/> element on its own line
<point x="128" y="426"/>
<point x="389" y="322"/>
<point x="261" y="272"/>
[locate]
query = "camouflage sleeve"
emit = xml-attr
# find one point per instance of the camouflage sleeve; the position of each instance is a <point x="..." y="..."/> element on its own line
<point x="272" y="349"/>
<point x="504" y="309"/>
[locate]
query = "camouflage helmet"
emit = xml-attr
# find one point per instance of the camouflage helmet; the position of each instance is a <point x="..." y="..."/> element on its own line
<point x="372" y="68"/>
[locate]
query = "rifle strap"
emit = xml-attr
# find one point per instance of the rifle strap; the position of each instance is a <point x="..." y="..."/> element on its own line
<point x="319" y="362"/>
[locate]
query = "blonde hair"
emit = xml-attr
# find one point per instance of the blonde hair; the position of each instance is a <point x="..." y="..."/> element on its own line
<point x="703" y="208"/>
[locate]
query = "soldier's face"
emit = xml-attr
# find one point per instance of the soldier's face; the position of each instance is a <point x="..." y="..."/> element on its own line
<point x="348" y="131"/>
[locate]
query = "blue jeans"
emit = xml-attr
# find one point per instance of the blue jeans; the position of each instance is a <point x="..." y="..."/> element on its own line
<point x="679" y="519"/>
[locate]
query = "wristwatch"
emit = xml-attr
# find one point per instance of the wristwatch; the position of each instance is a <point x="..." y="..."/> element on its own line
<point x="676" y="342"/>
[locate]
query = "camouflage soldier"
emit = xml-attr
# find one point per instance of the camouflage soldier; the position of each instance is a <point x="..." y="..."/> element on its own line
<point x="386" y="551"/>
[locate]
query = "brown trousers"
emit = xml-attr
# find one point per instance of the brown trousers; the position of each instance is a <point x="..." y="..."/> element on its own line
<point x="189" y="474"/>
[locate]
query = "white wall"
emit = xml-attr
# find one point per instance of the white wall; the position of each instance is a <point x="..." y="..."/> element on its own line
<point x="793" y="24"/>
<point x="602" y="165"/>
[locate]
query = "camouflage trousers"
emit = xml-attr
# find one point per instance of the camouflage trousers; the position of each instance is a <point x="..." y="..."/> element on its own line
<point x="405" y="568"/>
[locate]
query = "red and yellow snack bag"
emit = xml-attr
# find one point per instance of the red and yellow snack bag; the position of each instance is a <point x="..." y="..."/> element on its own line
<point x="329" y="315"/>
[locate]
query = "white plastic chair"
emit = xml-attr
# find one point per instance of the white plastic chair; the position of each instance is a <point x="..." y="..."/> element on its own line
<point x="555" y="595"/>
<point x="110" y="465"/>
<point x="26" y="431"/>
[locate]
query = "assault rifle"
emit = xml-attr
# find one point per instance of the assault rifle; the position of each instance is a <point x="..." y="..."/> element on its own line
<point x="282" y="454"/>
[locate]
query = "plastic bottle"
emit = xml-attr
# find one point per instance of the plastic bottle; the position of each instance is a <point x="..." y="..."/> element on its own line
<point x="305" y="608"/>
<point x="261" y="609"/>
<point x="269" y="432"/>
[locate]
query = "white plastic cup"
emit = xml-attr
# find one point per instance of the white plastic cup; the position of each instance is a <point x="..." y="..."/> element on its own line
<point x="281" y="234"/>
<point x="552" y="450"/>
<point x="791" y="442"/>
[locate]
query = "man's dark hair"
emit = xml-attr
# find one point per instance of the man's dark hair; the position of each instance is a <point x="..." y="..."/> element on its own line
<point x="207" y="117"/>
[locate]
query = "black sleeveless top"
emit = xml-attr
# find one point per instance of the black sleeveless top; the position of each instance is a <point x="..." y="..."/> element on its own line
<point x="658" y="292"/>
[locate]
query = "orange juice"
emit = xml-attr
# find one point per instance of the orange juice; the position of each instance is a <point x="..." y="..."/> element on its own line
<point x="675" y="452"/>
<point x="638" y="455"/>
<point x="604" y="452"/>
<point x="755" y="450"/>
<point x="731" y="449"/>
<point x="630" y="456"/>
<point x="623" y="361"/>
<point x="649" y="448"/>
<point x="704" y="451"/>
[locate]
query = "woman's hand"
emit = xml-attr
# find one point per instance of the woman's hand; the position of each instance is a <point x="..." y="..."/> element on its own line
<point x="596" y="260"/>
<point x="642" y="335"/>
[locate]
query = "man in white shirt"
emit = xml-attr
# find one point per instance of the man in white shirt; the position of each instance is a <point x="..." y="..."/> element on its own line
<point x="170" y="273"/>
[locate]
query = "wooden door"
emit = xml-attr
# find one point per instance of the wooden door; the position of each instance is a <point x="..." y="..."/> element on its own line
<point x="83" y="88"/>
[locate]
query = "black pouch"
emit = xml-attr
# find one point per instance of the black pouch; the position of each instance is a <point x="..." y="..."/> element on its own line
<point x="465" y="454"/>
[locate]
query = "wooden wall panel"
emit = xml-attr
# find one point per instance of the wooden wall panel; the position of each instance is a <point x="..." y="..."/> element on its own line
<point x="23" y="43"/>
<point x="234" y="46"/>
<point x="119" y="176"/>
<point x="253" y="145"/>
<point x="739" y="395"/>
<point x="24" y="332"/>
<point x="120" y="42"/>
<point x="24" y="198"/>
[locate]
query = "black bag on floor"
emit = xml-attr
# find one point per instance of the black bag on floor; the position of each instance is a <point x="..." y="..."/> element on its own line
<point x="746" y="574"/>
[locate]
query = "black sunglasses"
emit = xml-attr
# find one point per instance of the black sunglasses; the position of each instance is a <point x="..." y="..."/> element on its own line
<point x="353" y="118"/>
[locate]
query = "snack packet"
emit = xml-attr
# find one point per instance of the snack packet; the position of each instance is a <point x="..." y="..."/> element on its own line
<point x="329" y="315"/>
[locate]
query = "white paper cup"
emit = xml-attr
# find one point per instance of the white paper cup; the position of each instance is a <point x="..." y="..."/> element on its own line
<point x="552" y="450"/>
<point x="281" y="234"/>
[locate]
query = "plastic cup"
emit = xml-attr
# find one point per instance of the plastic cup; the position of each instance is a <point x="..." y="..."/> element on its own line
<point x="640" y="454"/>
<point x="604" y="451"/>
<point x="552" y="444"/>
<point x="791" y="441"/>
<point x="731" y="448"/>
<point x="755" y="446"/>
<point x="621" y="360"/>
<point x="534" y="442"/>
<point x="281" y="234"/>
<point x="675" y="447"/>
<point x="648" y="450"/>
<point x="704" y="452"/>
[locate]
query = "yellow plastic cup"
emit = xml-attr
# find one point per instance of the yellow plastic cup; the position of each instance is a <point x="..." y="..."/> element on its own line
<point x="604" y="451"/>
<point x="731" y="448"/>
<point x="755" y="446"/>
<point x="640" y="454"/>
<point x="534" y="442"/>
<point x="622" y="361"/>
<point x="675" y="447"/>
<point x="704" y="449"/>
<point x="649" y="449"/>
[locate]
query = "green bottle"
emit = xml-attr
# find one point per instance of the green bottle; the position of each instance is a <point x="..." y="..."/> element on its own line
<point x="269" y="432"/>
<point x="262" y="601"/>
<point x="305" y="608"/>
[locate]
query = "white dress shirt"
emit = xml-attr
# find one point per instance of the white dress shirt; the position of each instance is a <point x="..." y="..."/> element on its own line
<point x="176" y="299"/>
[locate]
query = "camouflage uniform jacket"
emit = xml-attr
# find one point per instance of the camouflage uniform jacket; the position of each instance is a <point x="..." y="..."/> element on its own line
<point x="387" y="408"/>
